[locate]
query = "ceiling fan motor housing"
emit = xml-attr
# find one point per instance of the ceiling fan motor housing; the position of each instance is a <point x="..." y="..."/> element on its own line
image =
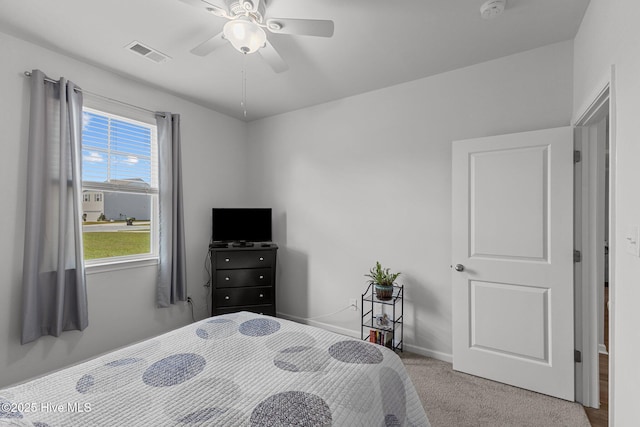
<point x="244" y="7"/>
<point x="248" y="4"/>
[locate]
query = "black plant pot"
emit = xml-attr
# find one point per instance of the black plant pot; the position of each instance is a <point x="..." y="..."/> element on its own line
<point x="384" y="293"/>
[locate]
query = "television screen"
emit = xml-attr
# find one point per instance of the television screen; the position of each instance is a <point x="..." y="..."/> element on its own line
<point x="241" y="224"/>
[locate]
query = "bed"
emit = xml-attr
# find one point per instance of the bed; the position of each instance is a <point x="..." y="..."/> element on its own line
<point x="240" y="369"/>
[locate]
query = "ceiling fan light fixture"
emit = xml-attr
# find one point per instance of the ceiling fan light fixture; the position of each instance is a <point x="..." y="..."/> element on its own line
<point x="246" y="36"/>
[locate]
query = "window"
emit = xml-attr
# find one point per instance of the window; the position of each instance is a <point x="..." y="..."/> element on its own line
<point x="120" y="174"/>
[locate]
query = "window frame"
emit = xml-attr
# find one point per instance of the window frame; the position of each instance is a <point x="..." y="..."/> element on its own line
<point x="139" y="118"/>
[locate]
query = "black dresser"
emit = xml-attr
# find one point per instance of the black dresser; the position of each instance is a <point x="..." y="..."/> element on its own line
<point x="243" y="278"/>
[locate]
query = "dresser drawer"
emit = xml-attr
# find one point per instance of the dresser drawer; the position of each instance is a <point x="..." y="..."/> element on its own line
<point x="269" y="310"/>
<point x="243" y="277"/>
<point x="242" y="296"/>
<point x="244" y="259"/>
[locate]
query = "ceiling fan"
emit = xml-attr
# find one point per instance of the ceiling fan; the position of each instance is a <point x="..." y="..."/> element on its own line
<point x="246" y="29"/>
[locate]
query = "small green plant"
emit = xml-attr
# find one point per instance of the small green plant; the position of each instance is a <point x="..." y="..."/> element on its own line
<point x="381" y="276"/>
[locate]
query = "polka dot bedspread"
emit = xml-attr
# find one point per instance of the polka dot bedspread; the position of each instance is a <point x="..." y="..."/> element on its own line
<point x="240" y="369"/>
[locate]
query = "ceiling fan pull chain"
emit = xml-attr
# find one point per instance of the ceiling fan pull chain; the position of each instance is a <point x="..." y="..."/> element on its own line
<point x="243" y="103"/>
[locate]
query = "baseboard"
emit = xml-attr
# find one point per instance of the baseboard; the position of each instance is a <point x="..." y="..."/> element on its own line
<point x="445" y="357"/>
<point x="326" y="326"/>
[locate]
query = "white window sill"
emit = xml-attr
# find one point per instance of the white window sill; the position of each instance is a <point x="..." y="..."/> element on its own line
<point x="102" y="266"/>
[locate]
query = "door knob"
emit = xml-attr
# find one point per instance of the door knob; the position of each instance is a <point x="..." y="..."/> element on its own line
<point x="459" y="267"/>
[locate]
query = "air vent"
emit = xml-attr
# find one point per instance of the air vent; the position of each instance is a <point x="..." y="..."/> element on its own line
<point x="147" y="52"/>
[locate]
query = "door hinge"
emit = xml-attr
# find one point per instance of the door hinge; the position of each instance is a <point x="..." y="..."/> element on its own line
<point x="577" y="156"/>
<point x="577" y="256"/>
<point x="577" y="356"/>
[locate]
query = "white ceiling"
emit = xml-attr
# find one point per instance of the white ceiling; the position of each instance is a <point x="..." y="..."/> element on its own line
<point x="377" y="43"/>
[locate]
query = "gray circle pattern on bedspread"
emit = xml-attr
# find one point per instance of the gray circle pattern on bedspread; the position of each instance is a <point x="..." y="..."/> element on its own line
<point x="239" y="369"/>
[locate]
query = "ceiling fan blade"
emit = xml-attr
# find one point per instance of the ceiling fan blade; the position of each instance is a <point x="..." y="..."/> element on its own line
<point x="302" y="27"/>
<point x="216" y="3"/>
<point x="273" y="58"/>
<point x="208" y="46"/>
<point x="215" y="7"/>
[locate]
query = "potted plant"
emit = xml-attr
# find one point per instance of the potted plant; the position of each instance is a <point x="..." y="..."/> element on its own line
<point x="382" y="279"/>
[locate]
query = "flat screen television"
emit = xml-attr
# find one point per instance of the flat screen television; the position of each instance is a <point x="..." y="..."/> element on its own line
<point x="241" y="224"/>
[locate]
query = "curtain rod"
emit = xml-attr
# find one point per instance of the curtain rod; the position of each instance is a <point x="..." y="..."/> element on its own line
<point x="48" y="79"/>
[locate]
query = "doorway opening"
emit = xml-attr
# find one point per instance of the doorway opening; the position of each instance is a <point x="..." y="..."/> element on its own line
<point x="593" y="219"/>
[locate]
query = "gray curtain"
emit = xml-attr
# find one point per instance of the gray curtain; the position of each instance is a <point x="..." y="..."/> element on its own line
<point x="172" y="280"/>
<point x="54" y="297"/>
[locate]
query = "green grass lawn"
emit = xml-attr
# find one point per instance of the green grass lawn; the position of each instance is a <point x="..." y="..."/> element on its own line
<point x="120" y="243"/>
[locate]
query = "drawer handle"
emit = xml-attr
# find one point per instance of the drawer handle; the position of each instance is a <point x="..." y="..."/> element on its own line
<point x="261" y="276"/>
<point x="261" y="295"/>
<point x="226" y="297"/>
<point x="261" y="258"/>
<point x="227" y="278"/>
<point x="227" y="260"/>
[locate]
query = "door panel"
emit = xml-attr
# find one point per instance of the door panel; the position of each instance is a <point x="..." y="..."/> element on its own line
<point x="516" y="180"/>
<point x="513" y="233"/>
<point x="527" y="309"/>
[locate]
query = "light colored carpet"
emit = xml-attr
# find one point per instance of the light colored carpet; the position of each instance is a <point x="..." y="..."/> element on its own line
<point x="455" y="399"/>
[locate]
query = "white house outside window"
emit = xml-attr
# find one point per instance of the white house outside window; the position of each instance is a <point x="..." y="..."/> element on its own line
<point x="120" y="187"/>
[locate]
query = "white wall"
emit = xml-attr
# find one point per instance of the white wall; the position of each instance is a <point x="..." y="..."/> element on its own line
<point x="121" y="303"/>
<point x="610" y="35"/>
<point x="368" y="178"/>
<point x="353" y="181"/>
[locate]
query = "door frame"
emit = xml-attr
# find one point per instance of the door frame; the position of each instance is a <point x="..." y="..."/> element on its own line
<point x="602" y="103"/>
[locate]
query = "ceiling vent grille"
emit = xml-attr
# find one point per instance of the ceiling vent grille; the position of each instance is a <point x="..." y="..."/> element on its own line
<point x="149" y="53"/>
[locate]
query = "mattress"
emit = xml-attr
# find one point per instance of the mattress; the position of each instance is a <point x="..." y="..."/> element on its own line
<point x="240" y="369"/>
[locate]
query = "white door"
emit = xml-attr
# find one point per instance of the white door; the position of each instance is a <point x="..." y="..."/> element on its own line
<point x="512" y="249"/>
